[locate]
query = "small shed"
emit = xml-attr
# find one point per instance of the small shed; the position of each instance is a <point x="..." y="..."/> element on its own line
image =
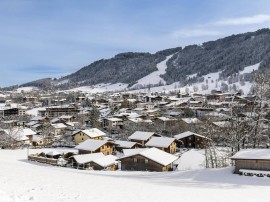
<point x="252" y="159"/>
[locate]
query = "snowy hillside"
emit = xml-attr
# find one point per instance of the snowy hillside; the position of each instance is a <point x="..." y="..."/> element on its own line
<point x="154" y="77"/>
<point x="23" y="181"/>
<point x="211" y="82"/>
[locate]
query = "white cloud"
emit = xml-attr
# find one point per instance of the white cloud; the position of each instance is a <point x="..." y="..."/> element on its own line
<point x="185" y="33"/>
<point x="256" y="19"/>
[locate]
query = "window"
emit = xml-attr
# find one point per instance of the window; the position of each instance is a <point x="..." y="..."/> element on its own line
<point x="146" y="161"/>
<point x="135" y="160"/>
<point x="82" y="138"/>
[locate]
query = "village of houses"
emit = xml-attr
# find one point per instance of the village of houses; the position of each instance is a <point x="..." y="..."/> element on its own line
<point x="135" y="131"/>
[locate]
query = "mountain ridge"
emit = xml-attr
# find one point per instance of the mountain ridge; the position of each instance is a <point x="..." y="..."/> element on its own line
<point x="228" y="55"/>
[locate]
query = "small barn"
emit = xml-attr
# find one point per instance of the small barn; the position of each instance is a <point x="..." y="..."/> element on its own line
<point x="252" y="159"/>
<point x="94" y="146"/>
<point x="191" y="140"/>
<point x="142" y="137"/>
<point x="151" y="159"/>
<point x="164" y="143"/>
<point x="82" y="135"/>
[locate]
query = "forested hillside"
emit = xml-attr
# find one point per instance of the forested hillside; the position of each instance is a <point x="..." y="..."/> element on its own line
<point x="229" y="55"/>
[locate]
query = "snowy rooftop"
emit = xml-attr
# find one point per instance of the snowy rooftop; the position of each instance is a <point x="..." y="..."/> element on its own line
<point x="106" y="161"/>
<point x="59" y="126"/>
<point x="91" y="145"/>
<point x="252" y="154"/>
<point x="156" y="155"/>
<point x="186" y="134"/>
<point x="93" y="132"/>
<point x="160" y="142"/>
<point x="125" y="144"/>
<point x="85" y="158"/>
<point x="140" y="135"/>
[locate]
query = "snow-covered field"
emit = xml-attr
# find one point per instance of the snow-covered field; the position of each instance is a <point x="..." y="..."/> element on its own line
<point x="21" y="180"/>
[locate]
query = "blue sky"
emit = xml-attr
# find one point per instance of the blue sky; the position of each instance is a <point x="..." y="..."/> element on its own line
<point x="56" y="37"/>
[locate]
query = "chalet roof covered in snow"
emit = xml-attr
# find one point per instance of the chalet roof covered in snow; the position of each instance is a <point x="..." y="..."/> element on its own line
<point x="141" y="135"/>
<point x="160" y="142"/>
<point x="186" y="134"/>
<point x="261" y="154"/>
<point x="91" y="145"/>
<point x="154" y="154"/>
<point x="59" y="126"/>
<point x="131" y="152"/>
<point x="106" y="161"/>
<point x="86" y="158"/>
<point x="93" y="132"/>
<point x="125" y="144"/>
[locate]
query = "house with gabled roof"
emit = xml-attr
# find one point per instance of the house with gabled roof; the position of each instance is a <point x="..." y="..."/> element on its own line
<point x="142" y="137"/>
<point x="190" y="139"/>
<point x="90" y="146"/>
<point x="120" y="145"/>
<point x="82" y="135"/>
<point x="151" y="159"/>
<point x="164" y="143"/>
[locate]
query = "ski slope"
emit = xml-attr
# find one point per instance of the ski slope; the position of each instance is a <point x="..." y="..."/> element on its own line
<point x="154" y="77"/>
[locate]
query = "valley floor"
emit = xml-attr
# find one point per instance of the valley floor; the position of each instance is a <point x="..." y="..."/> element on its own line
<point x="21" y="180"/>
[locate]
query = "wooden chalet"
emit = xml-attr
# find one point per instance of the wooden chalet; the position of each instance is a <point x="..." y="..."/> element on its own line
<point x="163" y="143"/>
<point x="142" y="137"/>
<point x="120" y="145"/>
<point x="151" y="159"/>
<point x="191" y="140"/>
<point x="95" y="146"/>
<point x="82" y="135"/>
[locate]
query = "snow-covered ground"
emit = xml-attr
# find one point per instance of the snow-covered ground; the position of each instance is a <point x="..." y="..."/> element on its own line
<point x="34" y="111"/>
<point x="154" y="77"/>
<point x="26" y="89"/>
<point x="101" y="88"/>
<point x="21" y="180"/>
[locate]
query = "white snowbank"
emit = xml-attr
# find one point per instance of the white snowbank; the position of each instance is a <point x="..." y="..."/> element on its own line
<point x="22" y="180"/>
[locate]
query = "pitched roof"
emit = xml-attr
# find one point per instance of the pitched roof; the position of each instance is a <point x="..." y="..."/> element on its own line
<point x="59" y="126"/>
<point x="263" y="154"/>
<point x="93" y="132"/>
<point x="125" y="144"/>
<point x="160" y="142"/>
<point x="91" y="145"/>
<point x="140" y="135"/>
<point x="154" y="154"/>
<point x="186" y="134"/>
<point x="106" y="161"/>
<point x="86" y="158"/>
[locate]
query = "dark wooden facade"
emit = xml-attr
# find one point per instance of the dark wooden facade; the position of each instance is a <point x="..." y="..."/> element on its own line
<point x="193" y="141"/>
<point x="141" y="163"/>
